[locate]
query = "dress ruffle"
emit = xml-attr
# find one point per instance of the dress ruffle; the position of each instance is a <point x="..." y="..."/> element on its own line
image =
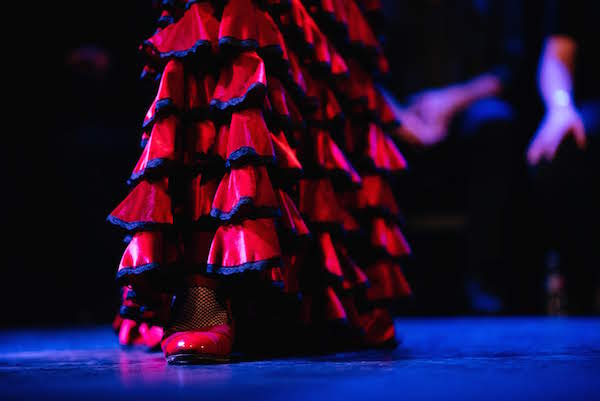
<point x="245" y="192"/>
<point x="247" y="166"/>
<point x="375" y="196"/>
<point x="200" y="198"/>
<point x="285" y="155"/>
<point x="199" y="91"/>
<point x="330" y="260"/>
<point x="245" y="26"/>
<point x="387" y="282"/>
<point x="170" y="94"/>
<point x="387" y="236"/>
<point x="354" y="277"/>
<point x="281" y="105"/>
<point x="147" y="251"/>
<point x="382" y="152"/>
<point x="160" y="150"/>
<point x="249" y="245"/>
<point x="241" y="83"/>
<point x="195" y="33"/>
<point x="201" y="137"/>
<point x="246" y="139"/>
<point x="147" y="207"/>
<point x="298" y="23"/>
<point x="346" y="22"/>
<point x="290" y="215"/>
<point x="329" y="113"/>
<point x="321" y="206"/>
<point x="332" y="159"/>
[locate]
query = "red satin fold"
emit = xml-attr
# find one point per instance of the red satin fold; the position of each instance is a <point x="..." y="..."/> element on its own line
<point x="148" y="202"/>
<point x="171" y="89"/>
<point x="286" y="156"/>
<point x="329" y="108"/>
<point x="278" y="97"/>
<point x="323" y="51"/>
<point x="197" y="27"/>
<point x="161" y="145"/>
<point x="387" y="235"/>
<point x="148" y="249"/>
<point x="375" y="193"/>
<point x="244" y="189"/>
<point x="387" y="281"/>
<point x="378" y="326"/>
<point x="201" y="137"/>
<point x="247" y="132"/>
<point x="237" y="79"/>
<point x="319" y="202"/>
<point x="331" y="158"/>
<point x="290" y="216"/>
<point x="329" y="257"/>
<point x="243" y="21"/>
<point x="199" y="90"/>
<point x="354" y="276"/>
<point x="295" y="72"/>
<point x="359" y="87"/>
<point x="332" y="306"/>
<point x="382" y="151"/>
<point x="249" y="245"/>
<point x="336" y="9"/>
<point x="200" y="197"/>
<point x="359" y="30"/>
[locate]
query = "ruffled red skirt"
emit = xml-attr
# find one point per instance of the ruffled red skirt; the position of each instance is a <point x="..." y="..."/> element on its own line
<point x="266" y="164"/>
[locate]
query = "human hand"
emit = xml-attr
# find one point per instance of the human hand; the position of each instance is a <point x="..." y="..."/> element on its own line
<point x="558" y="123"/>
<point x="415" y="131"/>
<point x="437" y="107"/>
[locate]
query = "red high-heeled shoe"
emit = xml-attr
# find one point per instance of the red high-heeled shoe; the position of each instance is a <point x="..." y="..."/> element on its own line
<point x="210" y="345"/>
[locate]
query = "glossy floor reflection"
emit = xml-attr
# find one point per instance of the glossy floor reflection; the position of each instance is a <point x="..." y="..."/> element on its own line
<point x="457" y="359"/>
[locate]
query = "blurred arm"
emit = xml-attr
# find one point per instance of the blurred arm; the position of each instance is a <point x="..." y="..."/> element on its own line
<point x="555" y="78"/>
<point x="555" y="81"/>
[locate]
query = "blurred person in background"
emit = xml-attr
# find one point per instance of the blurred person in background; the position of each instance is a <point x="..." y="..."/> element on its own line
<point x="462" y="89"/>
<point x="565" y="178"/>
<point x="478" y="60"/>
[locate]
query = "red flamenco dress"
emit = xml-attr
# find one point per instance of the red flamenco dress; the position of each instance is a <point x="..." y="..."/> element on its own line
<point x="263" y="187"/>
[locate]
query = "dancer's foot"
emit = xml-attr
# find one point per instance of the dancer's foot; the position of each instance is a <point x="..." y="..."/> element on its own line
<point x="200" y="330"/>
<point x="208" y="345"/>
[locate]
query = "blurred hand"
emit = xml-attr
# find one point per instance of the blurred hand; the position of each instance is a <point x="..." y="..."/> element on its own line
<point x="430" y="113"/>
<point x="416" y="131"/>
<point x="427" y="119"/>
<point x="437" y="107"/>
<point x="558" y="123"/>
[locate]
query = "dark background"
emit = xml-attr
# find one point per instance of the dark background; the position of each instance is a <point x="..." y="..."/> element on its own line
<point x="79" y="106"/>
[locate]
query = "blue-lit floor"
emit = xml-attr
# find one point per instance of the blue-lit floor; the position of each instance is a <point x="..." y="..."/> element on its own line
<point x="456" y="359"/>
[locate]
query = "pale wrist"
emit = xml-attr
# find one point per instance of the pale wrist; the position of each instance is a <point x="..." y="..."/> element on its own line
<point x="559" y="99"/>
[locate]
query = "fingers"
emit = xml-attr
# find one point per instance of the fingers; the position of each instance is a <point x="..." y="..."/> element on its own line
<point x="547" y="141"/>
<point x="542" y="147"/>
<point x="552" y="146"/>
<point x="579" y="134"/>
<point x="534" y="151"/>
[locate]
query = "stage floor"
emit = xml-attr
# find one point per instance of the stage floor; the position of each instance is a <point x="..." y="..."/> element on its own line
<point x="440" y="359"/>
